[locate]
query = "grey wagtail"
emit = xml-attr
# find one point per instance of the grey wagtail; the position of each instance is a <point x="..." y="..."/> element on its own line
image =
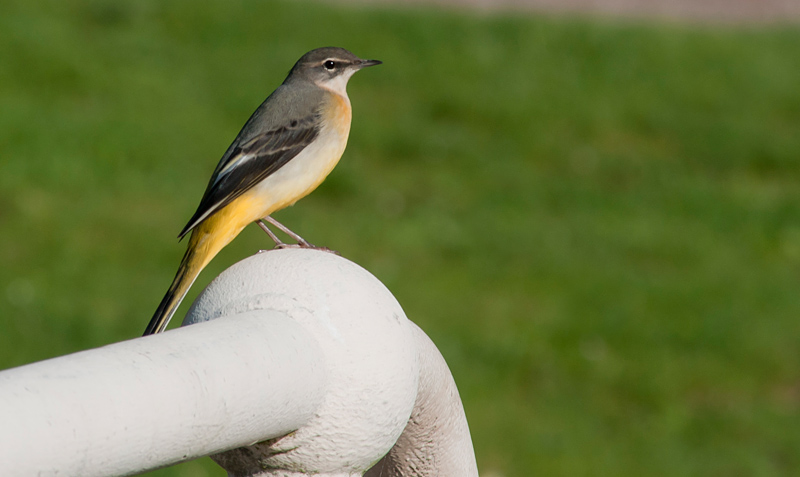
<point x="283" y="152"/>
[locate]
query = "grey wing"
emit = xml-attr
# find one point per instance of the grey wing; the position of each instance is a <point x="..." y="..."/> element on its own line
<point x="253" y="160"/>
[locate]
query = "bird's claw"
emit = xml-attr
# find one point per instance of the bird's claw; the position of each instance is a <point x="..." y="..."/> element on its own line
<point x="306" y="246"/>
<point x="326" y="249"/>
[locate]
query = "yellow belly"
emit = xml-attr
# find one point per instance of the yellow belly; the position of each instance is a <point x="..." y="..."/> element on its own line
<point x="307" y="170"/>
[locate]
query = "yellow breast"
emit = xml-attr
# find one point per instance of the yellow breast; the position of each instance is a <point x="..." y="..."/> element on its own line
<point x="307" y="170"/>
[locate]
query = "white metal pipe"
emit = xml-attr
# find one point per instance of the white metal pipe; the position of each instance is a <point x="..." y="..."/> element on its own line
<point x="371" y="358"/>
<point x="154" y="401"/>
<point x="436" y="440"/>
<point x="312" y="370"/>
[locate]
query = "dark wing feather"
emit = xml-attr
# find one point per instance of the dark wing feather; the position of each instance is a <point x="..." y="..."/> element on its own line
<point x="268" y="151"/>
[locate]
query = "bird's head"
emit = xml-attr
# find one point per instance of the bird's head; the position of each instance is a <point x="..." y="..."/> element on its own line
<point x="329" y="68"/>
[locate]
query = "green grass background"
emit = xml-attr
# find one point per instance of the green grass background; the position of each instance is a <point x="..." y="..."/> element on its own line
<point x="597" y="221"/>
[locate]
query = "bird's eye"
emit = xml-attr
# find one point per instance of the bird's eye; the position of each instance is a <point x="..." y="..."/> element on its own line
<point x="329" y="65"/>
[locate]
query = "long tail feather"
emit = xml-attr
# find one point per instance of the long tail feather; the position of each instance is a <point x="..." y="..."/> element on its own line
<point x="187" y="273"/>
<point x="206" y="241"/>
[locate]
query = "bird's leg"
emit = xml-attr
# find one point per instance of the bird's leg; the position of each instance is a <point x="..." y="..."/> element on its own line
<point x="300" y="240"/>
<point x="278" y="242"/>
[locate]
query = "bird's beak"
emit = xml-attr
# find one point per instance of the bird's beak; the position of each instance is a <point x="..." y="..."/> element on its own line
<point x="365" y="63"/>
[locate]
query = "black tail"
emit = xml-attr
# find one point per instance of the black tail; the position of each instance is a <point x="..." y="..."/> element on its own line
<point x="162" y="315"/>
<point x="186" y="275"/>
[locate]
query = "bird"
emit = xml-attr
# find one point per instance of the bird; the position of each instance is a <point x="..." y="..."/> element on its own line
<point x="283" y="152"/>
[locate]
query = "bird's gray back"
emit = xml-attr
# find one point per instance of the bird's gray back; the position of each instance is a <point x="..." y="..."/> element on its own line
<point x="295" y="100"/>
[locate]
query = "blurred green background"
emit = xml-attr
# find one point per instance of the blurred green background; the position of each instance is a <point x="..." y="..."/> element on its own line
<point x="597" y="221"/>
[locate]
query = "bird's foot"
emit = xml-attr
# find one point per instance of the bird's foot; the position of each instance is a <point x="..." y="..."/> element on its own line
<point x="305" y="245"/>
<point x="301" y="242"/>
<point x="326" y="249"/>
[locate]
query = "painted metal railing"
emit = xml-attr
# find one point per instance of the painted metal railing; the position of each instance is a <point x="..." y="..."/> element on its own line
<point x="313" y="369"/>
